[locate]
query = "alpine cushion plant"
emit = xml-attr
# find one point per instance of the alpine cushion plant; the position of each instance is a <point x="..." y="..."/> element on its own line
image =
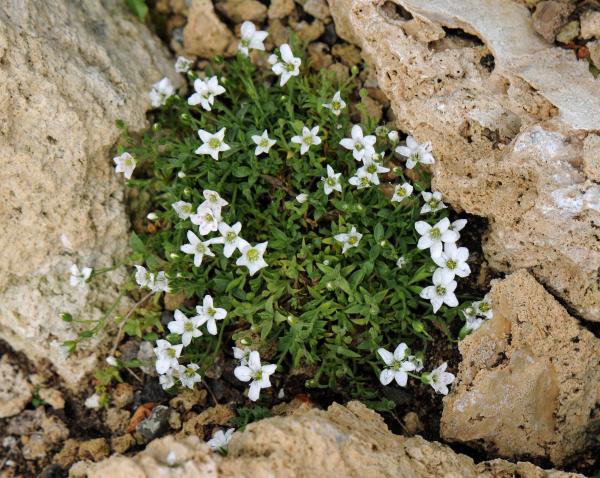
<point x="289" y="232"/>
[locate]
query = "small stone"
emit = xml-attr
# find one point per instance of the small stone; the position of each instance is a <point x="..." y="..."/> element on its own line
<point x="308" y="31"/>
<point x="15" y="390"/>
<point x="122" y="395"/>
<point x="68" y="454"/>
<point x="281" y="8"/>
<point x="349" y="54"/>
<point x="330" y="36"/>
<point x="174" y="301"/>
<point x="129" y="350"/>
<point x="153" y="426"/>
<point x="52" y="471"/>
<point x="549" y="16"/>
<point x="205" y="35"/>
<point x="318" y="54"/>
<point x="278" y="33"/>
<point x="54" y="429"/>
<point x="412" y="423"/>
<point x="117" y="420"/>
<point x="568" y="32"/>
<point x="34" y="447"/>
<point x="146" y="355"/>
<point x="217" y="415"/>
<point x="122" y="443"/>
<point x="374" y="109"/>
<point x="94" y="450"/>
<point x="188" y="399"/>
<point x="174" y="420"/>
<point x="318" y="9"/>
<point x="241" y="10"/>
<point x="26" y="423"/>
<point x="590" y="25"/>
<point x="52" y="397"/>
<point x="341" y="73"/>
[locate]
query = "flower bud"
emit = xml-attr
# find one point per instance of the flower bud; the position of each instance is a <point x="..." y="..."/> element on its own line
<point x="152" y="216"/>
<point x="156" y="127"/>
<point x="181" y="175"/>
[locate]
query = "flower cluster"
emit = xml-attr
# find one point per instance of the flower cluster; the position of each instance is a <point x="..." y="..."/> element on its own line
<point x="251" y="370"/>
<point x="476" y="313"/>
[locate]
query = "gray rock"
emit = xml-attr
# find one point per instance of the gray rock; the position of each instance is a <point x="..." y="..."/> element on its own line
<point x="153" y="426"/>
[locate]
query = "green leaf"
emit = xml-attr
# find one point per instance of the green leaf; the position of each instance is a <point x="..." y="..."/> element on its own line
<point x="138" y="8"/>
<point x="136" y="244"/>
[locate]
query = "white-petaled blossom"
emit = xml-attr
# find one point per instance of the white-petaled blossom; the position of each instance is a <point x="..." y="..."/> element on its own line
<point x="307" y="139"/>
<point x="167" y="380"/>
<point x="393" y="136"/>
<point x="251" y="38"/>
<point x="188" y="328"/>
<point x="209" y="314"/>
<point x="214" y="201"/>
<point x="439" y="379"/>
<point x="349" y="239"/>
<point x="453" y="261"/>
<point x="361" y="146"/>
<point x="143" y="277"/>
<point x="256" y="373"/>
<point x="416" y="361"/>
<point x="197" y="248"/>
<point x="167" y="355"/>
<point x="252" y="257"/>
<point x="302" y="197"/>
<point x="472" y="320"/>
<point x="125" y="163"/>
<point x="416" y="153"/>
<point x="188" y="375"/>
<point x="433" y="202"/>
<point x="183" y="64"/>
<point x="206" y="218"/>
<point x="401" y="262"/>
<point x="112" y="361"/>
<point x="160" y="283"/>
<point x="361" y="179"/>
<point x="183" y="209"/>
<point x="286" y="66"/>
<point x="337" y="104"/>
<point x="161" y="91"/>
<point x="372" y="169"/>
<point x="332" y="181"/>
<point x="205" y="92"/>
<point x="79" y="277"/>
<point x="484" y="307"/>
<point x="152" y="216"/>
<point x="263" y="143"/>
<point x="213" y="144"/>
<point x="230" y="238"/>
<point x="402" y="191"/>
<point x="397" y="365"/>
<point x="458" y="225"/>
<point x="242" y="354"/>
<point x="432" y="237"/>
<point x="441" y="292"/>
<point x="220" y="440"/>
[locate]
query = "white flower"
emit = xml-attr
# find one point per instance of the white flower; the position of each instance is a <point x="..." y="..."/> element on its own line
<point x="416" y="153"/>
<point x="181" y="175"/>
<point x="309" y="137"/>
<point x="112" y="361"/>
<point x="453" y="261"/>
<point x="439" y="379"/>
<point x="186" y="327"/>
<point x="167" y="380"/>
<point x="372" y="169"/>
<point x="183" y="209"/>
<point x="397" y="365"/>
<point x="188" y="375"/>
<point x="458" y="225"/>
<point x="433" y="202"/>
<point x="332" y="181"/>
<point x="252" y="257"/>
<point x="361" y="146"/>
<point x="231" y="239"/>
<point x="183" y="64"/>
<point x="302" y="197"/>
<point x="152" y="216"/>
<point x="206" y="218"/>
<point x="161" y="91"/>
<point x="166" y="355"/>
<point x="472" y="322"/>
<point x="263" y="143"/>
<point x="213" y="144"/>
<point x="348" y="239"/>
<point x="441" y="292"/>
<point x="242" y="355"/>
<point x="214" y="201"/>
<point x="401" y="262"/>
<point x="205" y="92"/>
<point x="251" y="38"/>
<point x="93" y="401"/>
<point x="209" y="314"/>
<point x="125" y="163"/>
<point x="432" y="237"/>
<point x="401" y="192"/>
<point x="220" y="441"/>
<point x="484" y="307"/>
<point x="287" y="66"/>
<point x="393" y="136"/>
<point x="361" y="179"/>
<point x="159" y="282"/>
<point x="78" y="277"/>
<point x="416" y="361"/>
<point x="259" y="374"/>
<point x="143" y="277"/>
<point x="337" y="104"/>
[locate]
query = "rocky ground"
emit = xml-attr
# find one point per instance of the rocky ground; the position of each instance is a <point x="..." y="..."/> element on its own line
<point x="507" y="93"/>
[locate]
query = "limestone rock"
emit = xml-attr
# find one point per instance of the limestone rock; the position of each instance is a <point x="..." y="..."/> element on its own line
<point x="527" y="384"/>
<point x="318" y="9"/>
<point x="281" y="8"/>
<point x="507" y="135"/>
<point x="594" y="48"/>
<point x="349" y="442"/>
<point x="549" y="16"/>
<point x="590" y="25"/>
<point x="15" y="390"/>
<point x="205" y="35"/>
<point x="241" y="10"/>
<point x="67" y="75"/>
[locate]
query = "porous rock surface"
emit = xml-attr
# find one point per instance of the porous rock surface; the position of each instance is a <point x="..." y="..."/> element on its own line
<point x="346" y="442"/>
<point x="528" y="381"/>
<point x="508" y="115"/>
<point x="68" y="71"/>
<point x="15" y="390"/>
